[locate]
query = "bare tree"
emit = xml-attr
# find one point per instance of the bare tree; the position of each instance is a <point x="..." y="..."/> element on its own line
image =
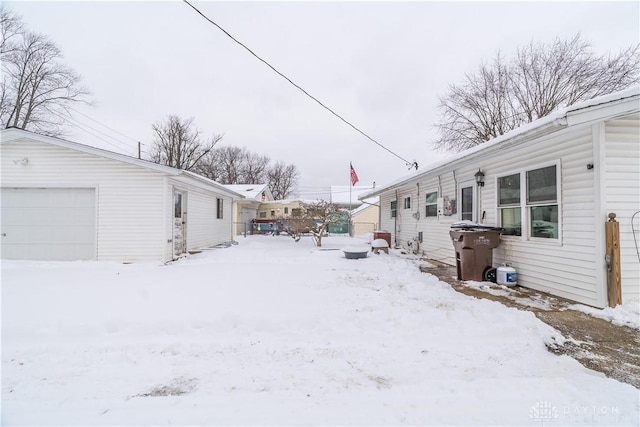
<point x="504" y="95"/>
<point x="282" y="180"/>
<point x="11" y="28"/>
<point x="36" y="87"/>
<point x="254" y="168"/>
<point x="322" y="214"/>
<point x="177" y="143"/>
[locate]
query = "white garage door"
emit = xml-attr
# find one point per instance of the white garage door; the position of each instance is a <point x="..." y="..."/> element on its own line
<point x="48" y="223"/>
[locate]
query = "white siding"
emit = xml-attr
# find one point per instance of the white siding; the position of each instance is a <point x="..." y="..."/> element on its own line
<point x="565" y="267"/>
<point x="622" y="194"/>
<point x="129" y="198"/>
<point x="203" y="227"/>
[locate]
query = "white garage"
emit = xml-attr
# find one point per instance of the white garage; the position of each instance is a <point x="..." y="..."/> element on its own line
<point x="66" y="201"/>
<point x="48" y="223"/>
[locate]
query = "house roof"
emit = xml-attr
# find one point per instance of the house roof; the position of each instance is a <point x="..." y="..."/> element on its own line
<point x="250" y="191"/>
<point x="13" y="134"/>
<point x="366" y="204"/>
<point x="603" y="107"/>
<point x="340" y="193"/>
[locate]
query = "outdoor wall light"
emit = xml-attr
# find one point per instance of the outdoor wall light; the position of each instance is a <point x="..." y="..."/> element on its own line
<point x="479" y="178"/>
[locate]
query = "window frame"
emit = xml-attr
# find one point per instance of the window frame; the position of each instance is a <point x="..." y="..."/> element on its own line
<point x="219" y="208"/>
<point x="393" y="208"/>
<point x="428" y="204"/>
<point x="510" y="206"/>
<point x="526" y="207"/>
<point x="406" y="202"/>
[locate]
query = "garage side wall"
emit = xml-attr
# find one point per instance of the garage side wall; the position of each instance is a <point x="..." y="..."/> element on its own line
<point x="204" y="229"/>
<point x="622" y="195"/>
<point x="129" y="198"/>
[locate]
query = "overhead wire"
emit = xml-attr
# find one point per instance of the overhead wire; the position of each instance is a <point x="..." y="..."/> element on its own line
<point x="123" y="145"/>
<point x="81" y="126"/>
<point x="408" y="163"/>
<point x="102" y="124"/>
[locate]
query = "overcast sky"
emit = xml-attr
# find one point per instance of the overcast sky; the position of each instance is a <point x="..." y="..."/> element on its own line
<point x="381" y="65"/>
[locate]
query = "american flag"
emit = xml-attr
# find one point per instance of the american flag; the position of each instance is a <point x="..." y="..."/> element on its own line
<point x="354" y="175"/>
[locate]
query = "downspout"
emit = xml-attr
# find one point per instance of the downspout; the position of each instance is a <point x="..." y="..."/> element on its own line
<point x="395" y="223"/>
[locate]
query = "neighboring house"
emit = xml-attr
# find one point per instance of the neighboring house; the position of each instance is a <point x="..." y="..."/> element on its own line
<point x="550" y="185"/>
<point x="245" y="210"/>
<point x="347" y="197"/>
<point x="365" y="219"/>
<point x="276" y="209"/>
<point x="67" y="201"/>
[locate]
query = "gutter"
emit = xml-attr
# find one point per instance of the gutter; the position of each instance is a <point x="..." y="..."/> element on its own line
<point x="501" y="142"/>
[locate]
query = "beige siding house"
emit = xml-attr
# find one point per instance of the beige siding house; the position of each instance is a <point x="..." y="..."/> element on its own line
<point x="245" y="210"/>
<point x="66" y="201"/>
<point x="550" y="185"/>
<point x="276" y="209"/>
<point x="365" y="219"/>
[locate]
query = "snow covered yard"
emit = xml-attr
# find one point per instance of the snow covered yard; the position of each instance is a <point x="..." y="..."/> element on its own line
<point x="274" y="332"/>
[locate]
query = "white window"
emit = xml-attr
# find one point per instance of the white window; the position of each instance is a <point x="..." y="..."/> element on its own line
<point x="509" y="205"/>
<point x="537" y="199"/>
<point x="466" y="205"/>
<point x="431" y="204"/>
<point x="219" y="208"/>
<point x="407" y="202"/>
<point x="394" y="208"/>
<point x="542" y="202"/>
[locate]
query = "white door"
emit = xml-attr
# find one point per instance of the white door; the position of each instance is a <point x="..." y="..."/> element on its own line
<point x="247" y="215"/>
<point x="56" y="224"/>
<point x="467" y="201"/>
<point x="179" y="223"/>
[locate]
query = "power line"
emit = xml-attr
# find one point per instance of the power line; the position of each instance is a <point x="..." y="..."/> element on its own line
<point x="408" y="163"/>
<point x="80" y="126"/>
<point x="102" y="124"/>
<point x="122" y="145"/>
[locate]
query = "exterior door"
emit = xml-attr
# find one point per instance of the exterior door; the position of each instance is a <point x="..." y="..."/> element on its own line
<point x="247" y="215"/>
<point x="179" y="224"/>
<point x="467" y="199"/>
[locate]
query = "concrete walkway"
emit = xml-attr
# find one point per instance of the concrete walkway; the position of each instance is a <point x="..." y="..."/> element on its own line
<point x="595" y="343"/>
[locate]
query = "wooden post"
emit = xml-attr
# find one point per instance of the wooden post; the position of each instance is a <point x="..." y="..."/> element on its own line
<point x="612" y="256"/>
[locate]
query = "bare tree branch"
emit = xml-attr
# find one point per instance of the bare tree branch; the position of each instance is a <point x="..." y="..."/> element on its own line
<point x="177" y="143"/>
<point x="540" y="79"/>
<point x="36" y="88"/>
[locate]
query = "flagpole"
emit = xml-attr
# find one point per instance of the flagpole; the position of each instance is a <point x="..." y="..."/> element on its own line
<point x="349" y="216"/>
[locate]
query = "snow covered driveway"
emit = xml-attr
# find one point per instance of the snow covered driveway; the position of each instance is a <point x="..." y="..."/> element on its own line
<point x="277" y="332"/>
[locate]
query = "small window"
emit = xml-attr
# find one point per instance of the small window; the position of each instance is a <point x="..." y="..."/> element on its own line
<point x="273" y="213"/>
<point x="177" y="205"/>
<point x="541" y="185"/>
<point x="407" y="202"/>
<point x="467" y="204"/>
<point x="219" y="208"/>
<point x="263" y="215"/>
<point x="297" y="212"/>
<point x="542" y="201"/>
<point x="509" y="205"/>
<point x="394" y="208"/>
<point x="286" y="211"/>
<point x="431" y="204"/>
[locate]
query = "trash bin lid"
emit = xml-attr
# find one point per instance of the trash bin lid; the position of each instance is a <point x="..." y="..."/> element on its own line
<point x="470" y="225"/>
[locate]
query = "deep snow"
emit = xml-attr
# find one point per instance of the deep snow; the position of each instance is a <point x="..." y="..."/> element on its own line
<point x="271" y="331"/>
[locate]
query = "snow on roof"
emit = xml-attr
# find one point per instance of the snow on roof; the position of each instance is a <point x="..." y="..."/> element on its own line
<point x="340" y="193"/>
<point x="250" y="191"/>
<point x="549" y="123"/>
<point x="12" y="134"/>
<point x="366" y="203"/>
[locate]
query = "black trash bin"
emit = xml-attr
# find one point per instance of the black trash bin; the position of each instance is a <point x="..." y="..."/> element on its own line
<point x="474" y="245"/>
